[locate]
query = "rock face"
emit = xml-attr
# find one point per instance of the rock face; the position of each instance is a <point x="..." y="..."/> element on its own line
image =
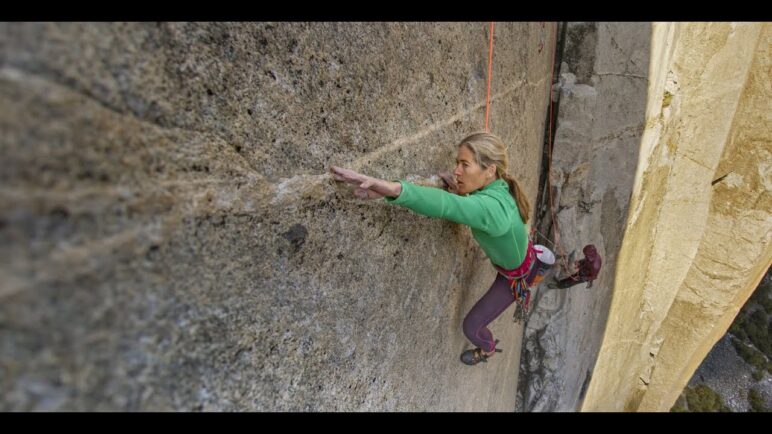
<point x="601" y="96"/>
<point x="739" y="364"/>
<point x="697" y="237"/>
<point x="170" y="238"/>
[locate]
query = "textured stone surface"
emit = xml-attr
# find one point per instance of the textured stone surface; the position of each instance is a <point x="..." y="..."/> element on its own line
<point x="725" y="371"/>
<point x="602" y="98"/>
<point x="697" y="240"/>
<point x="170" y="238"/>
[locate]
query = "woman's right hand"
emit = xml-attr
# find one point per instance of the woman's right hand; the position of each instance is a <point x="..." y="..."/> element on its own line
<point x="450" y="182"/>
<point x="367" y="186"/>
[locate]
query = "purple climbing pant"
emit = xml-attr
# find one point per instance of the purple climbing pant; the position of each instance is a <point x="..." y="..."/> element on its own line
<point x="489" y="307"/>
<point x="492" y="304"/>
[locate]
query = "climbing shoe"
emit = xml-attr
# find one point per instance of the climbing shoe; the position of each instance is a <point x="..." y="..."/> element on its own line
<point x="554" y="283"/>
<point x="475" y="356"/>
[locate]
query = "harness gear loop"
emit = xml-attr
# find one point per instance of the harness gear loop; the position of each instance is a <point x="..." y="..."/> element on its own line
<point x="519" y="276"/>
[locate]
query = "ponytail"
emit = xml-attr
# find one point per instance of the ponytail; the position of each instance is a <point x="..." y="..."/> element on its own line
<point x="520" y="198"/>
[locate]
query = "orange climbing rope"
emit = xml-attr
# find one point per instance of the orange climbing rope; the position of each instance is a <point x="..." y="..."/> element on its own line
<point x="555" y="232"/>
<point x="490" y="62"/>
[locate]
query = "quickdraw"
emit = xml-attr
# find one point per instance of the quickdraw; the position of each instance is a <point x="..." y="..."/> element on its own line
<point x="522" y="292"/>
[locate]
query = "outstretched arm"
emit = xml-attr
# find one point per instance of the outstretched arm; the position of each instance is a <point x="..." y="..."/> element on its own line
<point x="367" y="186"/>
<point x="475" y="211"/>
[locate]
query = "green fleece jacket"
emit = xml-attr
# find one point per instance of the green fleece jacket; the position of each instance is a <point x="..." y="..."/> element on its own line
<point x="491" y="212"/>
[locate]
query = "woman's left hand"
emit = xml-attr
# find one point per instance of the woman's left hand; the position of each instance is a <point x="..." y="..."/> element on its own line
<point x="367" y="186"/>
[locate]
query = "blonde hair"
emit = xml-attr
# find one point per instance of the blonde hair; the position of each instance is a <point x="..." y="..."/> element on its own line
<point x="489" y="149"/>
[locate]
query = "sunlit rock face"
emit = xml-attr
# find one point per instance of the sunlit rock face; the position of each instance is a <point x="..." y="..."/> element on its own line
<point x="697" y="236"/>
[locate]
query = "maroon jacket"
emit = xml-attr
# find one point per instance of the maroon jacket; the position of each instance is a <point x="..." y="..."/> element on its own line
<point x="589" y="267"/>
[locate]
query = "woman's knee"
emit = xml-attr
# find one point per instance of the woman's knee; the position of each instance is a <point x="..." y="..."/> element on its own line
<point x="470" y="326"/>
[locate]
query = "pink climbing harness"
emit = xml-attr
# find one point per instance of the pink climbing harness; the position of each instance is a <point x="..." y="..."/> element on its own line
<point x="521" y="288"/>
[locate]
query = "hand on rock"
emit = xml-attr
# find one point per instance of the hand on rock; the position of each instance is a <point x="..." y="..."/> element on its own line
<point x="450" y="182"/>
<point x="367" y="186"/>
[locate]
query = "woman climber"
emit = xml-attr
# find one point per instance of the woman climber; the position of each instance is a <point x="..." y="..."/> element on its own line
<point x="482" y="195"/>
